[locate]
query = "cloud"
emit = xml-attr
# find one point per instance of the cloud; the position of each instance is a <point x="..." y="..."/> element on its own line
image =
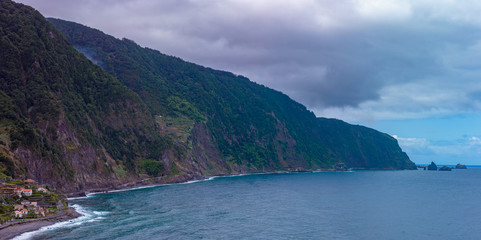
<point x="383" y="9"/>
<point x="358" y="60"/>
<point x="421" y="150"/>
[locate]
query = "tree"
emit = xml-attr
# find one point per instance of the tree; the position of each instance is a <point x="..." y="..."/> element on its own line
<point x="151" y="167"/>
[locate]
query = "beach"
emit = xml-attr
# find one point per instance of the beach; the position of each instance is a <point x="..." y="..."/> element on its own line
<point x="18" y="228"/>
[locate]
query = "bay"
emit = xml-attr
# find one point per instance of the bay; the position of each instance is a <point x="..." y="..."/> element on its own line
<point x="324" y="205"/>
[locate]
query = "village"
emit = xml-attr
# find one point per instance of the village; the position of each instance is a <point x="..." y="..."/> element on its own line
<point x="26" y="199"/>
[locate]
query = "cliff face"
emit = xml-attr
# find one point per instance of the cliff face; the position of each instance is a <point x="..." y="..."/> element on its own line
<point x="64" y="121"/>
<point x="254" y="128"/>
<point x="69" y="123"/>
<point x="362" y="147"/>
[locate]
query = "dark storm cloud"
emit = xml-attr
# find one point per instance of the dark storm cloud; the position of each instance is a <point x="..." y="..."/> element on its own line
<point x="341" y="58"/>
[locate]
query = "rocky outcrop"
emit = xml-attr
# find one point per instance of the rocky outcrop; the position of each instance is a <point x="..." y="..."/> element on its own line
<point x="433" y="167"/>
<point x="460" y="166"/>
<point x="445" y="168"/>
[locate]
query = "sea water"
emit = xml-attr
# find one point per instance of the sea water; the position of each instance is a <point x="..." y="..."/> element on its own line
<point x="324" y="205"/>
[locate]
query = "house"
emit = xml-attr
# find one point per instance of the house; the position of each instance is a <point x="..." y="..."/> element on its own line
<point x="25" y="202"/>
<point x="18" y="191"/>
<point x="21" y="213"/>
<point x="42" y="189"/>
<point x="34" y="204"/>
<point x="23" y="191"/>
<point x="18" y="207"/>
<point x="27" y="192"/>
<point x="18" y="214"/>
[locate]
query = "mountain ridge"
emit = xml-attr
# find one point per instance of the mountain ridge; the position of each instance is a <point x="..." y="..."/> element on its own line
<point x="156" y="65"/>
<point x="144" y="117"/>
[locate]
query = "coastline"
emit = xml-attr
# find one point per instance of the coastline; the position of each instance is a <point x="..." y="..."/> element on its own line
<point x="129" y="187"/>
<point x="184" y="179"/>
<point x="162" y="181"/>
<point x="16" y="229"/>
<point x="13" y="230"/>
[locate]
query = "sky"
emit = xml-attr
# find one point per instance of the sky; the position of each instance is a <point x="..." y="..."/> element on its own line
<point x="409" y="68"/>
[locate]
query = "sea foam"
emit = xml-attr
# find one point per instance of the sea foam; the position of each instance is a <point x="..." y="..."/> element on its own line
<point x="86" y="216"/>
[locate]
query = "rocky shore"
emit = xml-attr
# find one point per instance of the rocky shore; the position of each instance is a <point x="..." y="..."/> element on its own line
<point x="11" y="230"/>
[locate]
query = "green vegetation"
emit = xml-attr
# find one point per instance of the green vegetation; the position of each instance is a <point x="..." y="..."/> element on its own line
<point x="120" y="171"/>
<point x="7" y="167"/>
<point x="250" y="124"/>
<point x="151" y="167"/>
<point x="179" y="107"/>
<point x="78" y="125"/>
<point x="56" y="104"/>
<point x="5" y="212"/>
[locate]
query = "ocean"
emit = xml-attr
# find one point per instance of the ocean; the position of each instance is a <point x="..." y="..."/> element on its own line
<point x="319" y="205"/>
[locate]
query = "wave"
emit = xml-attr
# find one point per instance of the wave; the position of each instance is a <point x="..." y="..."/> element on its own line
<point x="76" y="198"/>
<point x="144" y="187"/>
<point x="123" y="190"/>
<point x="196" y="181"/>
<point x="187" y="182"/>
<point x="86" y="217"/>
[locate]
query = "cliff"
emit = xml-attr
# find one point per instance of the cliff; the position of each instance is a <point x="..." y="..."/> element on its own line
<point x="142" y="115"/>
<point x="252" y="125"/>
<point x="64" y="121"/>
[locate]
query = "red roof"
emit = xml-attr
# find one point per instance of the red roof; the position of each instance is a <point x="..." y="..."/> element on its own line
<point x="29" y="181"/>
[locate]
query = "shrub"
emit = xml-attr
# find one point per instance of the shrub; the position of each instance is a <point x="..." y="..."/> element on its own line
<point x="151" y="167"/>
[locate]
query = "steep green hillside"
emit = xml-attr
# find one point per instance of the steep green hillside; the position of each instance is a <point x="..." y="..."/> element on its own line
<point x="362" y="147"/>
<point x="142" y="117"/>
<point x="63" y="120"/>
<point x="251" y="127"/>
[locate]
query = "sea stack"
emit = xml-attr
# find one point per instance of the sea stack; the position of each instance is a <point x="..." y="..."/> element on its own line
<point x="445" y="168"/>
<point x="433" y="167"/>
<point x="461" y="166"/>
